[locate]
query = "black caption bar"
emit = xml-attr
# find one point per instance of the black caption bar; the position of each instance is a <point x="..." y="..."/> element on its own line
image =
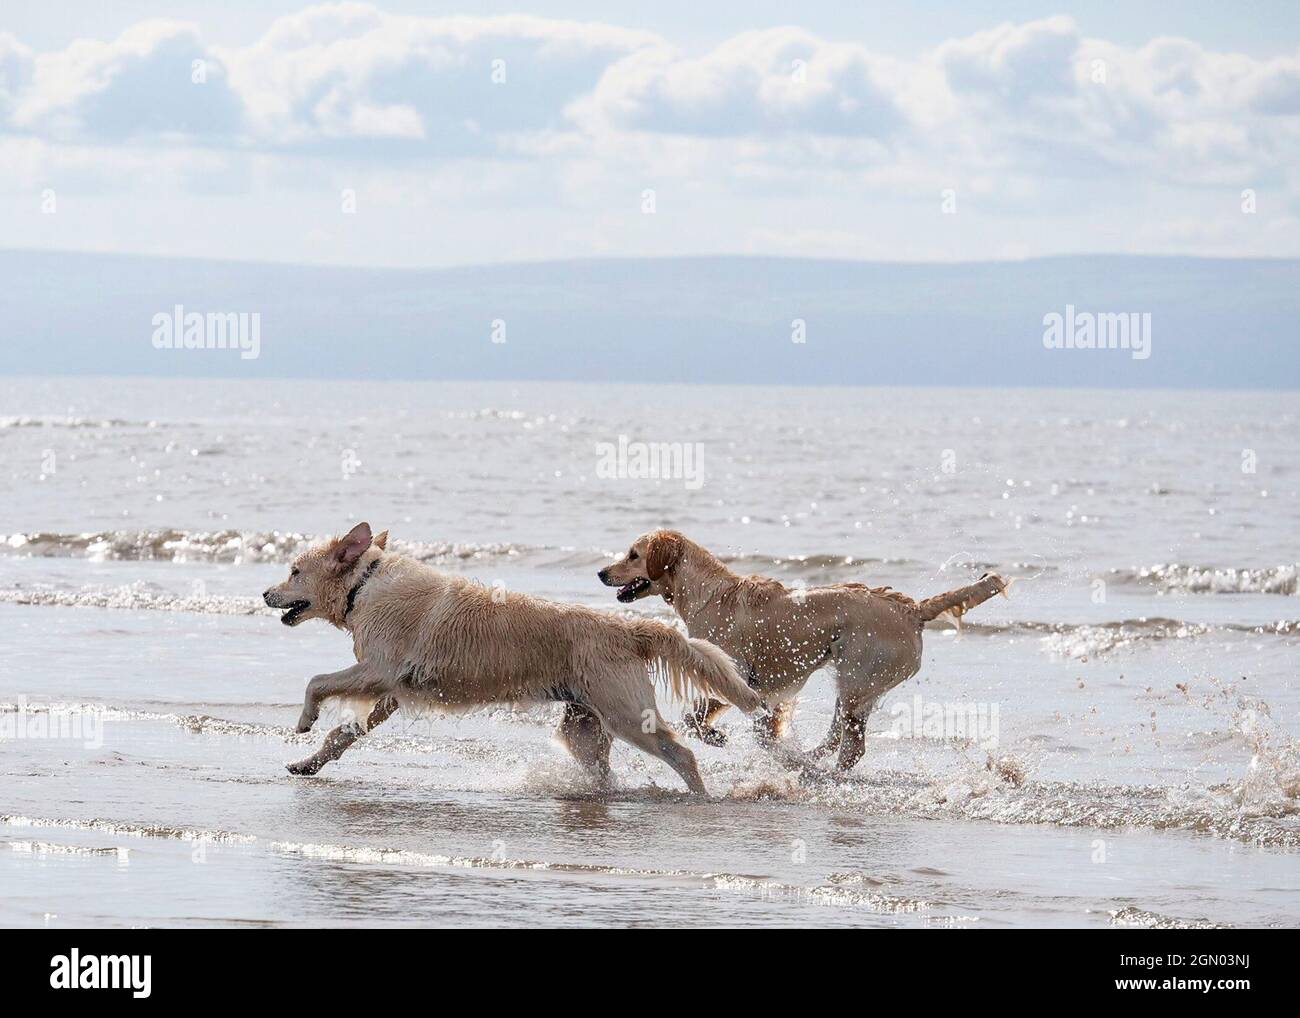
<point x="335" y="967"/>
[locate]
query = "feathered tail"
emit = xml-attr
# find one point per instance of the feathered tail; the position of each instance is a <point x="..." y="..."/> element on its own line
<point x="685" y="664"/>
<point x="955" y="603"/>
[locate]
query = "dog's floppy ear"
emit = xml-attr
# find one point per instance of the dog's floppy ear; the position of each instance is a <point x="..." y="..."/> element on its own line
<point x="351" y="548"/>
<point x="381" y="540"/>
<point x="662" y="554"/>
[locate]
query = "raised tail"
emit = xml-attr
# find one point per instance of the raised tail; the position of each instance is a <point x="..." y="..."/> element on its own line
<point x="956" y="603"/>
<point x="687" y="663"/>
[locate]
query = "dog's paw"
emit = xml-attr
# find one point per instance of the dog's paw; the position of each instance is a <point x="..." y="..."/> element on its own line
<point x="707" y="734"/>
<point x="305" y="721"/>
<point x="712" y="736"/>
<point x="303" y="767"/>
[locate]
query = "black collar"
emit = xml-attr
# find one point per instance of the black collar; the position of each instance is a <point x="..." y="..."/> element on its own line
<point x="356" y="587"/>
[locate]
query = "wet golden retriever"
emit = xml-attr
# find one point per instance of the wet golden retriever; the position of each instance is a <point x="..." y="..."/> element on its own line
<point x="871" y="637"/>
<point x="427" y="639"/>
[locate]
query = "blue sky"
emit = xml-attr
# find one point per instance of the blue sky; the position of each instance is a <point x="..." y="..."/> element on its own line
<point x="428" y="135"/>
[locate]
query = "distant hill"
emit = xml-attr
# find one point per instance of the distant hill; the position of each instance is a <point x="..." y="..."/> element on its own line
<point x="1215" y="322"/>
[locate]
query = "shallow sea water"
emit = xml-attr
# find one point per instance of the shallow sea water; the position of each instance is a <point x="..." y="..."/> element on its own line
<point x="1144" y="769"/>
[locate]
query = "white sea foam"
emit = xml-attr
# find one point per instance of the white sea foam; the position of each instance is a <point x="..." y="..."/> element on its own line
<point x="227" y="546"/>
<point x="1089" y="641"/>
<point x="136" y="597"/>
<point x="24" y="421"/>
<point x="1131" y="915"/>
<point x="1171" y="577"/>
<point x="839" y="892"/>
<point x="118" y="852"/>
<point x="128" y="829"/>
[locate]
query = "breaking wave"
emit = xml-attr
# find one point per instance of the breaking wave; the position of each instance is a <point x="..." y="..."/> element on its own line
<point x="1167" y="578"/>
<point x="1262" y="808"/>
<point x="54" y="848"/>
<point x="386" y="741"/>
<point x="1081" y="641"/>
<point x="69" y="422"/>
<point x="1089" y="641"/>
<point x="128" y="830"/>
<point x="225" y="546"/>
<point x="238" y="546"/>
<point x="197" y="723"/>
<point x="136" y="597"/>
<point x="840" y="891"/>
<point x="406" y="857"/>
<point x="1133" y="916"/>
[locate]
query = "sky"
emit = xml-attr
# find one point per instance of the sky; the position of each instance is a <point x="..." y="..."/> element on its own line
<point x="427" y="135"/>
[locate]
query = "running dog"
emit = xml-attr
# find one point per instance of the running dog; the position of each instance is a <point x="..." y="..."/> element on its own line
<point x="871" y="636"/>
<point x="426" y="639"/>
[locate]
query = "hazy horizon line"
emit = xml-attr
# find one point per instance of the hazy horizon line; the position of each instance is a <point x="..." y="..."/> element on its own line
<point x="739" y="256"/>
<point x="408" y="380"/>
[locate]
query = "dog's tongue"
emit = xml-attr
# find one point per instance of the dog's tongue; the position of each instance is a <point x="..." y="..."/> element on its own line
<point x="629" y="591"/>
<point x="295" y="609"/>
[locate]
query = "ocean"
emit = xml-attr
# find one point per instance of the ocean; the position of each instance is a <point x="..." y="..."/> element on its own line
<point x="1117" y="743"/>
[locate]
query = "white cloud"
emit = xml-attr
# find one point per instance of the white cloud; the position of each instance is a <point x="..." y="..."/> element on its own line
<point x="140" y="85"/>
<point x="450" y="86"/>
<point x="336" y="77"/>
<point x="1013" y="64"/>
<point x="1019" y="119"/>
<point x="778" y="81"/>
<point x="350" y="80"/>
<point x="1041" y="99"/>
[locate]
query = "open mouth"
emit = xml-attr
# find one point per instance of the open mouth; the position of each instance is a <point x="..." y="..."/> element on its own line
<point x="630" y="591"/>
<point x="294" y="613"/>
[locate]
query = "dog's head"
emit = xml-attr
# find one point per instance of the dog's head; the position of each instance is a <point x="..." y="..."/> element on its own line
<point x="647" y="567"/>
<point x="319" y="578"/>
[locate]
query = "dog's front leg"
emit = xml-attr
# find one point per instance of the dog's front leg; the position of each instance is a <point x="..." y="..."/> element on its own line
<point x="340" y="738"/>
<point x="321" y="687"/>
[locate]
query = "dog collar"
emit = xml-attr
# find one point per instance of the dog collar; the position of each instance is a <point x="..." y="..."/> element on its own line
<point x="356" y="587"/>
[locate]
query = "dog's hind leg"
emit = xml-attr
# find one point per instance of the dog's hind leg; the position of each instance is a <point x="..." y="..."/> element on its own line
<point x="854" y="729"/>
<point x="648" y="731"/>
<point x="835" y="735"/>
<point x="624" y="700"/>
<point x="771" y="726"/>
<point x="585" y="737"/>
<point x="771" y="729"/>
<point x="663" y="744"/>
<point x="342" y="737"/>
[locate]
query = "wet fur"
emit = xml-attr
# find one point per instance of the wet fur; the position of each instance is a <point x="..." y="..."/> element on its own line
<point x="427" y="639"/>
<point x="870" y="636"/>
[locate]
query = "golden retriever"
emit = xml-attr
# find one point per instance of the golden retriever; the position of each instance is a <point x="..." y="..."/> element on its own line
<point x="427" y="639"/>
<point x="870" y="636"/>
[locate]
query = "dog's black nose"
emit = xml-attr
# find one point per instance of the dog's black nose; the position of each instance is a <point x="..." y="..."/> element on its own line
<point x="603" y="576"/>
<point x="266" y="596"/>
